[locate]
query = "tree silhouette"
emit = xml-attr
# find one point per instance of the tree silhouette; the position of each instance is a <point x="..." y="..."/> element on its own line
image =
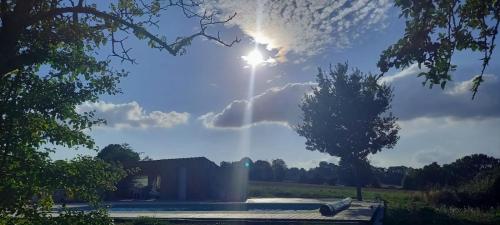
<point x="457" y="173"/>
<point x="115" y="153"/>
<point x="279" y="169"/>
<point x="261" y="171"/>
<point x="348" y="116"/>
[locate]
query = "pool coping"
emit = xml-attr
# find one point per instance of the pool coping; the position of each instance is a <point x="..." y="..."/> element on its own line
<point x="360" y="212"/>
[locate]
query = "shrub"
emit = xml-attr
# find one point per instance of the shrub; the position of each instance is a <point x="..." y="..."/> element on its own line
<point x="443" y="197"/>
<point x="147" y="221"/>
<point x="67" y="217"/>
<point x="482" y="192"/>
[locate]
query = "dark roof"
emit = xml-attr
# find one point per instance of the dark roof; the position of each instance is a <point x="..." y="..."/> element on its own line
<point x="180" y="160"/>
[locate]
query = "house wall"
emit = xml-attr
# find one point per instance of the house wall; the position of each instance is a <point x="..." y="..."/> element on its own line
<point x="201" y="179"/>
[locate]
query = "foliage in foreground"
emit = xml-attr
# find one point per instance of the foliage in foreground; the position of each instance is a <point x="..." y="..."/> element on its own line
<point x="436" y="29"/>
<point x="31" y="195"/>
<point x="49" y="65"/>
<point x="98" y="217"/>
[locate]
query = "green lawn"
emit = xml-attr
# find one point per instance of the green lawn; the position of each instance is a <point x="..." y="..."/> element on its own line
<point x="403" y="207"/>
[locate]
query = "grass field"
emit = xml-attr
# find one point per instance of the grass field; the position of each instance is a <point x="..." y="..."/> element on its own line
<point x="403" y="207"/>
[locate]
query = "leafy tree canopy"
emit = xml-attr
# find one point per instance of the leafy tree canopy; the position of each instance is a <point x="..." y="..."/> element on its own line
<point x="435" y="29"/>
<point x="261" y="170"/>
<point x="461" y="171"/>
<point x="279" y="169"/>
<point x="49" y="65"/>
<point x="115" y="153"/>
<point x="348" y="116"/>
<point x="32" y="188"/>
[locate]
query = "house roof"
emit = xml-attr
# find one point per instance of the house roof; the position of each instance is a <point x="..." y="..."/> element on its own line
<point x="179" y="161"/>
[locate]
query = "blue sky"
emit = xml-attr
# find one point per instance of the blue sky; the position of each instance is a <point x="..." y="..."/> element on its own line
<point x="185" y="106"/>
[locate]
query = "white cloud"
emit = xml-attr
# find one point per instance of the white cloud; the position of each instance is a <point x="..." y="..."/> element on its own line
<point x="412" y="100"/>
<point x="415" y="126"/>
<point x="304" y="27"/>
<point x="132" y="115"/>
<point x="438" y="155"/>
<point x="441" y="140"/>
<point x="278" y="105"/>
<point x="412" y="70"/>
<point x="465" y="87"/>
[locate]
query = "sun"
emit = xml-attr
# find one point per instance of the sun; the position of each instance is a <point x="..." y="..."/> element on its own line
<point x="254" y="58"/>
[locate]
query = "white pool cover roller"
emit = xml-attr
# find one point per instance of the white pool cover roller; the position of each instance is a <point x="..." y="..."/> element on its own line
<point x="330" y="209"/>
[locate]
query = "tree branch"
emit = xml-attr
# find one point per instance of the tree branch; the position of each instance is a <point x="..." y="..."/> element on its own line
<point x="121" y="19"/>
<point x="89" y="10"/>
<point x="487" y="56"/>
<point x="173" y="48"/>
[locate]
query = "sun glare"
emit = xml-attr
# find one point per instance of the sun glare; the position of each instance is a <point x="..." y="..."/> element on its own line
<point x="254" y="58"/>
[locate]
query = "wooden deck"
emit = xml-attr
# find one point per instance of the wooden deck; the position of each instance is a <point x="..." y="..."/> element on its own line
<point x="357" y="213"/>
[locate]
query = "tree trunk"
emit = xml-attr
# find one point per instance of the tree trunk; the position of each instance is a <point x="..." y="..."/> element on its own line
<point x="357" y="173"/>
<point x="359" y="196"/>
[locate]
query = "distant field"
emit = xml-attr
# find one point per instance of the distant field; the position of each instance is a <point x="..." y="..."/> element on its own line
<point x="277" y="189"/>
<point x="403" y="207"/>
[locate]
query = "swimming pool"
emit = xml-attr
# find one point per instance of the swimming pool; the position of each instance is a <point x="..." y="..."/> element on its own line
<point x="206" y="206"/>
<point x="257" y="210"/>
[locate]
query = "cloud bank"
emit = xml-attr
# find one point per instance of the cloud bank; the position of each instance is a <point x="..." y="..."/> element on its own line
<point x="132" y="115"/>
<point x="280" y="104"/>
<point x="412" y="100"/>
<point x="303" y="27"/>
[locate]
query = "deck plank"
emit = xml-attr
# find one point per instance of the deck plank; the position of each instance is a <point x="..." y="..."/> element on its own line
<point x="358" y="212"/>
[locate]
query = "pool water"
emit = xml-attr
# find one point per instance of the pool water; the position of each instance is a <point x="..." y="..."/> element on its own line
<point x="238" y="206"/>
